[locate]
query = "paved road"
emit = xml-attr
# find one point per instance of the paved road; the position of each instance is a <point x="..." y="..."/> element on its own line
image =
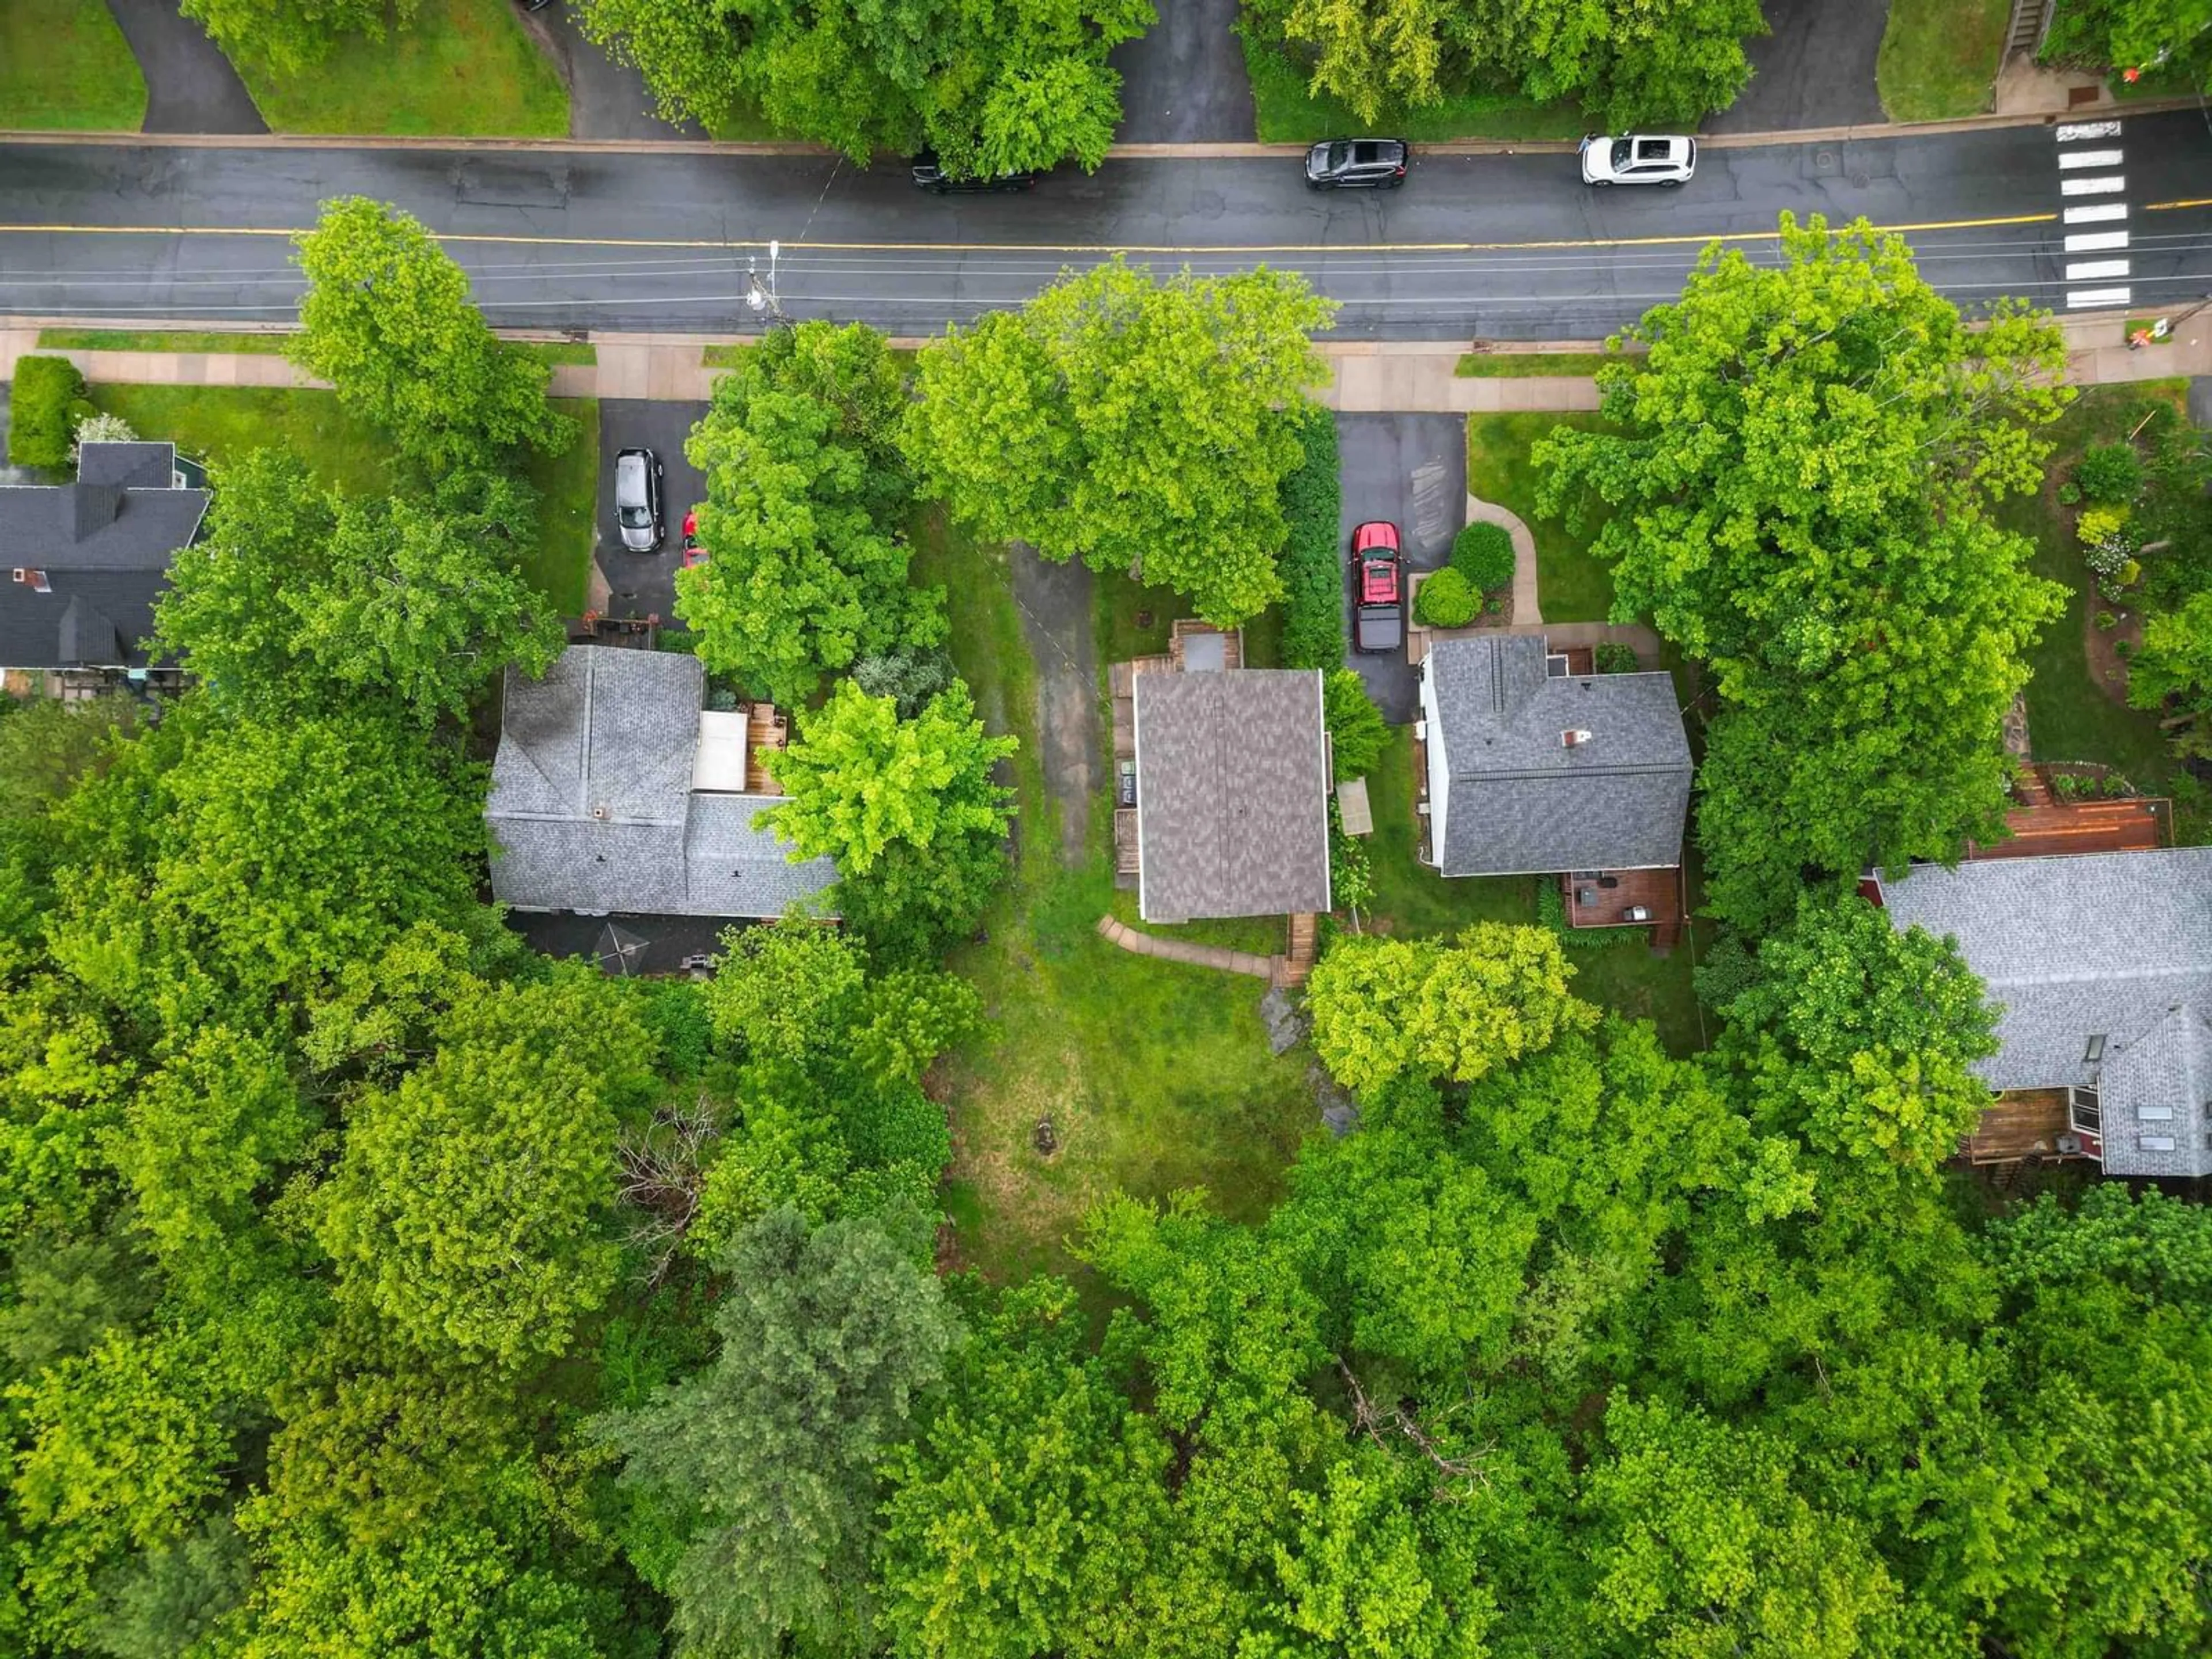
<point x="1410" y="470"/>
<point x="644" y="584"/>
<point x="1814" y="68"/>
<point x="1184" y="81"/>
<point x="1510" y="246"/>
<point x="190" y="85"/>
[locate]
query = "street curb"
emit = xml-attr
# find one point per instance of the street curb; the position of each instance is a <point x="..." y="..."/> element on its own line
<point x="1133" y="152"/>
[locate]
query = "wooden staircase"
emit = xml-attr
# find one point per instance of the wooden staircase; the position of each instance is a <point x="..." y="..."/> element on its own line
<point x="2030" y="19"/>
<point x="1292" y="967"/>
<point x="2032" y="788"/>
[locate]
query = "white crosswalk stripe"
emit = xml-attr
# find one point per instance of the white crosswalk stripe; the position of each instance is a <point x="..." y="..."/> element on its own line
<point x="2097" y="299"/>
<point x="2096" y="270"/>
<point x="2096" y="240"/>
<point x="2077" y="160"/>
<point x="2074" y="131"/>
<point x="2110" y="183"/>
<point x="2086" y="174"/>
<point x="2096" y="213"/>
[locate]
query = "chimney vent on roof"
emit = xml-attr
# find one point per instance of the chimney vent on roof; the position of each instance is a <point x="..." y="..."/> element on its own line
<point x="1573" y="739"/>
<point x="34" y="579"/>
<point x="602" y="812"/>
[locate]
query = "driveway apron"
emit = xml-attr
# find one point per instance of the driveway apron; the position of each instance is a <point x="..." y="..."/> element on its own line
<point x="644" y="584"/>
<point x="1814" y="68"/>
<point x="1183" y="79"/>
<point x="1054" y="600"/>
<point x="1410" y="470"/>
<point x="190" y="85"/>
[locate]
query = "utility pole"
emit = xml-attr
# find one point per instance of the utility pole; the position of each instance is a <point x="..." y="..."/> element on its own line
<point x="760" y="295"/>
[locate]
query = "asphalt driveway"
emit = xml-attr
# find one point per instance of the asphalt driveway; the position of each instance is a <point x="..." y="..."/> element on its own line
<point x="606" y="99"/>
<point x="644" y="584"/>
<point x="1410" y="470"/>
<point x="1814" y="68"/>
<point x="1183" y="79"/>
<point x="190" y="85"/>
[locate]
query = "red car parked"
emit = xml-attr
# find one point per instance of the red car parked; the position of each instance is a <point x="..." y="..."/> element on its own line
<point x="1378" y="587"/>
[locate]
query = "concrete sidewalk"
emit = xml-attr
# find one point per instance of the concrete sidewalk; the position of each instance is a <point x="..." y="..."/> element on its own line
<point x="1369" y="377"/>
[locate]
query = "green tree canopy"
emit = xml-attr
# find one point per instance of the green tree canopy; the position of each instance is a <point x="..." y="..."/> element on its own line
<point x="805" y="492"/>
<point x="293" y="36"/>
<point x="993" y="87"/>
<point x="2133" y="34"/>
<point x="827" y="1335"/>
<point x="295" y="597"/>
<point x="1801" y="471"/>
<point x="387" y="320"/>
<point x="1144" y="426"/>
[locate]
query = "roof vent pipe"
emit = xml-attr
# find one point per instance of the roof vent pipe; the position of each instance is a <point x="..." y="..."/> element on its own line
<point x="1574" y="739"/>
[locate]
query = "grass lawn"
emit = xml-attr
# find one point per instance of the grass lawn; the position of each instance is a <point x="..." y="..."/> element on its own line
<point x="1571" y="584"/>
<point x="1528" y="365"/>
<point x="1155" y="1076"/>
<point x="462" y="68"/>
<point x="219" y="423"/>
<point x="1288" y="115"/>
<point x="1939" y="57"/>
<point x="64" y="63"/>
<point x="1413" y="900"/>
<point x="128" y="339"/>
<point x="2070" y="717"/>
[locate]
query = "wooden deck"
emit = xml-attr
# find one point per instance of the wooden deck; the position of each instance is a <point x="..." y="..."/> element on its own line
<point x="2026" y="1123"/>
<point x="765" y="728"/>
<point x="1186" y="629"/>
<point x="1658" y="891"/>
<point x="2081" y="826"/>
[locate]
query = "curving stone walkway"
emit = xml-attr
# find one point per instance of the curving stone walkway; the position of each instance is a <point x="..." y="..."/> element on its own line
<point x="1524" y="554"/>
<point x="1176" y="949"/>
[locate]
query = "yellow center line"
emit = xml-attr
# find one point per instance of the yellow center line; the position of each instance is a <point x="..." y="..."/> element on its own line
<point x="1170" y="249"/>
<point x="2167" y="207"/>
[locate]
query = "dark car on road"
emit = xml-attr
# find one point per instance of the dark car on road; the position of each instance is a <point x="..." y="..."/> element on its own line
<point x="637" y="500"/>
<point x="1356" y="164"/>
<point x="1378" y="589"/>
<point x="932" y="177"/>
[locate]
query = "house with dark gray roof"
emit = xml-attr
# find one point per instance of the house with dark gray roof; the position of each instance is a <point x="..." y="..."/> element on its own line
<point x="615" y="792"/>
<point x="86" y="561"/>
<point x="2101" y="965"/>
<point x="1232" y="781"/>
<point x="1532" y="770"/>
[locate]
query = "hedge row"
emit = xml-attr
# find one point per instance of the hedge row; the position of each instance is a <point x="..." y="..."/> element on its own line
<point x="39" y="410"/>
<point x="1313" y="603"/>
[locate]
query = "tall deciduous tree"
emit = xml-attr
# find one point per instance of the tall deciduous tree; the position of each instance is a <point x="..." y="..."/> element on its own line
<point x="1139" y="425"/>
<point x="295" y="597"/>
<point x="996" y="86"/>
<point x="2133" y="34"/>
<point x="1801" y="470"/>
<point x="806" y="566"/>
<point x="388" y="321"/>
<point x="293" y="36"/>
<point x="1383" y="1008"/>
<point x="828" y="1334"/>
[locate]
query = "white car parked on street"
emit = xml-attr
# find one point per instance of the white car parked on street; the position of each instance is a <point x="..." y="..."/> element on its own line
<point x="1638" y="159"/>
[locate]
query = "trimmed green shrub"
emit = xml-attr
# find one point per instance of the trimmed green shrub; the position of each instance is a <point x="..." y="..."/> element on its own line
<point x="1448" y="599"/>
<point x="1483" y="553"/>
<point x="38" y="424"/>
<point x="1356" y="728"/>
<point x="1611" y="657"/>
<point x="1313" y="576"/>
<point x="2112" y="473"/>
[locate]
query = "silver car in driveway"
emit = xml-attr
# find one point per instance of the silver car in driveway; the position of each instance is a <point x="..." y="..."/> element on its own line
<point x="637" y="500"/>
<point x="1639" y="158"/>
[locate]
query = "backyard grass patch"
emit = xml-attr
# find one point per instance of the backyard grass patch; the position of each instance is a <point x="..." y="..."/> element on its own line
<point x="555" y="354"/>
<point x="63" y="65"/>
<point x="131" y="339"/>
<point x="462" y="68"/>
<point x="1155" y="1076"/>
<point x="1939" y="57"/>
<point x="1529" y="365"/>
<point x="221" y="423"/>
<point x="1571" y="584"/>
<point x="1287" y="114"/>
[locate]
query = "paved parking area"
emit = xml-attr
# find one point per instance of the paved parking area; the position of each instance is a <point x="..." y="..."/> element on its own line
<point x="1412" y="469"/>
<point x="644" y="584"/>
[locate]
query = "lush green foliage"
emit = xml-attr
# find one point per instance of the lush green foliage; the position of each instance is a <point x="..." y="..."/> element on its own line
<point x="1665" y="63"/>
<point x="292" y="36"/>
<point x="806" y="497"/>
<point x="1483" y="553"/>
<point x="2139" y="34"/>
<point x="388" y="322"/>
<point x="2110" y="473"/>
<point x="994" y="88"/>
<point x="1447" y="600"/>
<point x="41" y="400"/>
<point x="1357" y="733"/>
<point x="292" y="596"/>
<point x="1312" y="570"/>
<point x="1137" y="424"/>
<point x="1803" y="471"/>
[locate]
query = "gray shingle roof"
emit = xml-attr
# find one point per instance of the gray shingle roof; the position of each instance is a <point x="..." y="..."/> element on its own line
<point x="591" y="806"/>
<point x="1232" y="794"/>
<point x="2109" y="945"/>
<point x="105" y="544"/>
<point x="1521" y="801"/>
